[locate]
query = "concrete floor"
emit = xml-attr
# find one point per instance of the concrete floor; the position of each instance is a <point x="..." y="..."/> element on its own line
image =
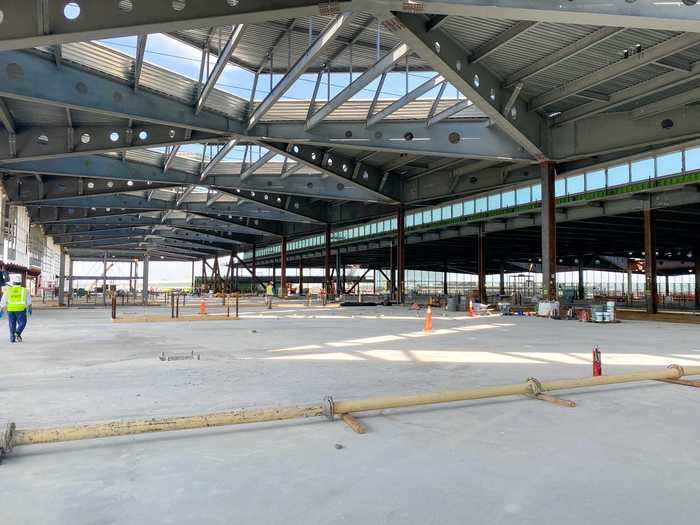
<point x="625" y="454"/>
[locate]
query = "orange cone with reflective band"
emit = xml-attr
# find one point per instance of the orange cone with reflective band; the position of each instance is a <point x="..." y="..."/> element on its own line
<point x="202" y="308"/>
<point x="428" y="325"/>
<point x="470" y="312"/>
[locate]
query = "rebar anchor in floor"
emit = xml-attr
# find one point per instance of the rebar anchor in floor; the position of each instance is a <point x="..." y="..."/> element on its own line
<point x="537" y="392"/>
<point x="348" y="419"/>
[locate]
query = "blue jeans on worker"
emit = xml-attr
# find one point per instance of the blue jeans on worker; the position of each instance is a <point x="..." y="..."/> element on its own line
<point x="17" y="320"/>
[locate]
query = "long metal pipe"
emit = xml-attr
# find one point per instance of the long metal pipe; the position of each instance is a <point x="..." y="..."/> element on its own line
<point x="242" y="416"/>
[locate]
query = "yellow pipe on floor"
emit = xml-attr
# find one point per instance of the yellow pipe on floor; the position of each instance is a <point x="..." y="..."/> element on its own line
<point x="242" y="416"/>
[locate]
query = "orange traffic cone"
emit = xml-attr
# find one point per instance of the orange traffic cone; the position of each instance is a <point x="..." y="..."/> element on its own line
<point x="470" y="312"/>
<point x="428" y="326"/>
<point x="202" y="308"/>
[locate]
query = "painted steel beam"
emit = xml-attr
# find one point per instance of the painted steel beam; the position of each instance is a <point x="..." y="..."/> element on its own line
<point x="345" y="172"/>
<point x="491" y="46"/>
<point x="101" y="167"/>
<point x="666" y="16"/>
<point x="221" y="62"/>
<point x="25" y="75"/>
<point x="36" y="143"/>
<point x="539" y="66"/>
<point x="134" y="202"/>
<point x="468" y="139"/>
<point x="326" y="37"/>
<point x="671" y="46"/>
<point x="221" y="154"/>
<point x="630" y="94"/>
<point x="383" y="64"/>
<point x="584" y="138"/>
<point x="99" y="19"/>
<point x="408" y="97"/>
<point x="476" y="82"/>
<point x="666" y="104"/>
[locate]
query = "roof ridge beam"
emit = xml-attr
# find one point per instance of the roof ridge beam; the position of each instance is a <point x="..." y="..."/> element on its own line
<point x="299" y="68"/>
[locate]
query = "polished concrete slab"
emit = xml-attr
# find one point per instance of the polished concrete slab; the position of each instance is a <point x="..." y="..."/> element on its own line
<point x="627" y="453"/>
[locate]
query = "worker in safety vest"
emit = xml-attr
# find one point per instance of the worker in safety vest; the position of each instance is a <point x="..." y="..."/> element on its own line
<point x="17" y="301"/>
<point x="269" y="293"/>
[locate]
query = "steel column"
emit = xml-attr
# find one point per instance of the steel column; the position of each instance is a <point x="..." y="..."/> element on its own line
<point x="650" y="292"/>
<point x="283" y="267"/>
<point x="327" y="262"/>
<point x="481" y="255"/>
<point x="581" y="287"/>
<point x="301" y="275"/>
<point x="401" y="254"/>
<point x="696" y="255"/>
<point x="502" y="279"/>
<point x="145" y="279"/>
<point x="549" y="237"/>
<point x="62" y="278"/>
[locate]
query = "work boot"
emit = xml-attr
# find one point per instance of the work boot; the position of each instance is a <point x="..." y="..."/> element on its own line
<point x="19" y="338"/>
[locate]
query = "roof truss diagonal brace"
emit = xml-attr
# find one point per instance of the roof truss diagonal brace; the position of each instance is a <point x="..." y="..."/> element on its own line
<point x="221" y="154"/>
<point x="408" y="97"/>
<point x="221" y="62"/>
<point x="383" y="64"/>
<point x="138" y="61"/>
<point x="250" y="170"/>
<point x="297" y="70"/>
<point x="477" y="83"/>
<point x="668" y="47"/>
<point x="25" y="75"/>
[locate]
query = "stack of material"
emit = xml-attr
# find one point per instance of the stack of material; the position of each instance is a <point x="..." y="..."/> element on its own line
<point x="603" y="313"/>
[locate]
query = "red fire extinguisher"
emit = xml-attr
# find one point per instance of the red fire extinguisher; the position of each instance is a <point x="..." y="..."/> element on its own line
<point x="597" y="363"/>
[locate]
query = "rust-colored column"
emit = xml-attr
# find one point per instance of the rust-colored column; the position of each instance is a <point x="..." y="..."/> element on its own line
<point x="650" y="292"/>
<point x="481" y="255"/>
<point x="401" y="254"/>
<point x="549" y="235"/>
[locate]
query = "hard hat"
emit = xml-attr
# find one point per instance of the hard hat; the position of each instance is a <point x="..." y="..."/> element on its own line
<point x="16" y="279"/>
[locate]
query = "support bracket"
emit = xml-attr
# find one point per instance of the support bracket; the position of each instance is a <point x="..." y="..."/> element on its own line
<point x="328" y="407"/>
<point x="537" y="393"/>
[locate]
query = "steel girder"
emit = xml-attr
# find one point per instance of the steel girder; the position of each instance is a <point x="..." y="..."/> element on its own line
<point x="36" y="143"/>
<point x="476" y="82"/>
<point x="468" y="139"/>
<point x="25" y="75"/>
<point x="111" y="168"/>
<point x="584" y="138"/>
<point x="32" y="24"/>
<point x="630" y="94"/>
<point x="667" y="16"/>
<point x="136" y="202"/>
<point x="345" y="173"/>
<point x="192" y="221"/>
<point x="668" y="47"/>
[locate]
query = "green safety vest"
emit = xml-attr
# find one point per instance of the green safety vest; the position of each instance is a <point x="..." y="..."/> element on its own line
<point x="16" y="298"/>
<point x="268" y="290"/>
